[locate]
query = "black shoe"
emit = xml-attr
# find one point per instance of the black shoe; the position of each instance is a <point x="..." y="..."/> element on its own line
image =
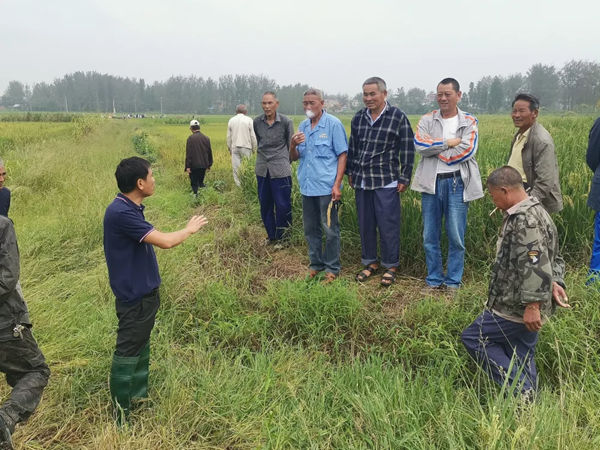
<point x="5" y="436"/>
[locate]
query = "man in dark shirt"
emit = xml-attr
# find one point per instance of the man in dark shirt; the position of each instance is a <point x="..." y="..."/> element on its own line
<point x="380" y="163"/>
<point x="273" y="170"/>
<point x="198" y="156"/>
<point x="593" y="161"/>
<point x="20" y="358"/>
<point x="4" y="192"/>
<point x="134" y="278"/>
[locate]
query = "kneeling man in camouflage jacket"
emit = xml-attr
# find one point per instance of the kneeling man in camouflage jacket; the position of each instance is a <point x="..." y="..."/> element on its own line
<point x="526" y="282"/>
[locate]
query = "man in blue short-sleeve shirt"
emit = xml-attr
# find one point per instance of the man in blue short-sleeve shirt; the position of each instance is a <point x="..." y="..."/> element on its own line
<point x="134" y="278"/>
<point x="322" y="147"/>
<point x="132" y="266"/>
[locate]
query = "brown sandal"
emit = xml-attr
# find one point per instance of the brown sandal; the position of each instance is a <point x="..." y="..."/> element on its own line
<point x="366" y="273"/>
<point x="312" y="275"/>
<point x="329" y="277"/>
<point x="388" y="277"/>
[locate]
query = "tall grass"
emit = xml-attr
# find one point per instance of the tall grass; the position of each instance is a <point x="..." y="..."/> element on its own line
<point x="245" y="353"/>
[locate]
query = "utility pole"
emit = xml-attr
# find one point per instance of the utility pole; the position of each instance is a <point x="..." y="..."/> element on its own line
<point x="114" y="110"/>
<point x="161" y="105"/>
<point x="66" y="104"/>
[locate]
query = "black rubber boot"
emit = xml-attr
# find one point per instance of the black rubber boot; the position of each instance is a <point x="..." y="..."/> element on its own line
<point x="139" y="382"/>
<point x="121" y="374"/>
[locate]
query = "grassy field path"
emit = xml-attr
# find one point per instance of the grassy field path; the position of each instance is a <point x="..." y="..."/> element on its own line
<point x="245" y="353"/>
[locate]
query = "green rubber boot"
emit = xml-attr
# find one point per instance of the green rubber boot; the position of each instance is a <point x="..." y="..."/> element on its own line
<point x="139" y="382"/>
<point x="121" y="374"/>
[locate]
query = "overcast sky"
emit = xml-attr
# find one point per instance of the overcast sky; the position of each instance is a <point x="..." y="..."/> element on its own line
<point x="329" y="44"/>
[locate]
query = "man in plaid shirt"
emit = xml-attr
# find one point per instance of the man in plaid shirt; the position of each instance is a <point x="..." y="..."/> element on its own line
<point x="380" y="163"/>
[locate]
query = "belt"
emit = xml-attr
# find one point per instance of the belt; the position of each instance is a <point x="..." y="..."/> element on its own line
<point x="443" y="176"/>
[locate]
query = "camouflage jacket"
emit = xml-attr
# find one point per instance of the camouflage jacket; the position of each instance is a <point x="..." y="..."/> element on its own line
<point x="527" y="262"/>
<point x="13" y="309"/>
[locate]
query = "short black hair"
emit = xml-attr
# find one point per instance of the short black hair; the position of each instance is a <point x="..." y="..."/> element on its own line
<point x="129" y="171"/>
<point x="451" y="81"/>
<point x="534" y="103"/>
<point x="195" y="127"/>
<point x="505" y="176"/>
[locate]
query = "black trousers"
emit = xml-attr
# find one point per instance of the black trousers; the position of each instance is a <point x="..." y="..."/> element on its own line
<point x="26" y="372"/>
<point x="135" y="324"/>
<point x="197" y="179"/>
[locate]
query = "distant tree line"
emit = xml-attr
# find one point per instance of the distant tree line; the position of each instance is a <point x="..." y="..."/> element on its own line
<point x="96" y="92"/>
<point x="574" y="87"/>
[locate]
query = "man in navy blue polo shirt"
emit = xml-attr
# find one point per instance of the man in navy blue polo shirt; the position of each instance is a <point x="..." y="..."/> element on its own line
<point x="134" y="278"/>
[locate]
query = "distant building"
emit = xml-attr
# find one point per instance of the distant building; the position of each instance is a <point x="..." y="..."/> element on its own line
<point x="332" y="105"/>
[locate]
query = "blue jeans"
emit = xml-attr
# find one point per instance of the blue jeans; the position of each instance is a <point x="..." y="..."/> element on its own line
<point x="493" y="342"/>
<point x="594" y="273"/>
<point x="447" y="202"/>
<point x="275" y="198"/>
<point x="379" y="209"/>
<point x="314" y="216"/>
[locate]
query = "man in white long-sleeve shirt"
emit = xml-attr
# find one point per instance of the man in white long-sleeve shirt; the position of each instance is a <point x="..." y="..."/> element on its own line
<point x="240" y="139"/>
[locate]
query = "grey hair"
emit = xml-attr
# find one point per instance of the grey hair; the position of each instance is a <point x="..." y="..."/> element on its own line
<point x="241" y="109"/>
<point x="1" y="162"/>
<point x="381" y="86"/>
<point x="313" y="91"/>
<point x="270" y="93"/>
<point x="505" y="176"/>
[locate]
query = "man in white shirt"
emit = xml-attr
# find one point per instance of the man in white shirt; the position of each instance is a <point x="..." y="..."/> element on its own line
<point x="240" y="139"/>
<point x="448" y="178"/>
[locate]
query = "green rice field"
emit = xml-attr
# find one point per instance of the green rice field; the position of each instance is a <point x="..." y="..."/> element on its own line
<point x="245" y="353"/>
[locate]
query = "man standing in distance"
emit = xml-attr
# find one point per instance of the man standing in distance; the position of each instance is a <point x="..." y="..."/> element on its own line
<point x="241" y="139"/>
<point x="198" y="156"/>
<point x="593" y="161"/>
<point x="448" y="178"/>
<point x="533" y="154"/>
<point x="273" y="169"/>
<point x="134" y="278"/>
<point x="4" y="192"/>
<point x="321" y="146"/>
<point x="526" y="281"/>
<point x="380" y="162"/>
